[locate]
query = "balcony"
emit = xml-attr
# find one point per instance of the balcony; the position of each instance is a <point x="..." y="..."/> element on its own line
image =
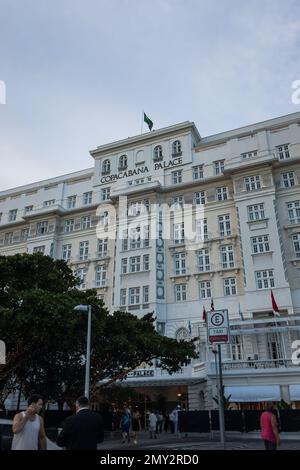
<point x="185" y="272"/>
<point x="43" y="210"/>
<point x="259" y="364"/>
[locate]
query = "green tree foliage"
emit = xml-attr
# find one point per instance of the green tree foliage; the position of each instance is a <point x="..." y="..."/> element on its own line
<point x="46" y="339"/>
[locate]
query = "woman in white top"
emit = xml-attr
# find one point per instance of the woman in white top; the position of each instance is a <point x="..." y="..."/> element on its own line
<point x="28" y="427"/>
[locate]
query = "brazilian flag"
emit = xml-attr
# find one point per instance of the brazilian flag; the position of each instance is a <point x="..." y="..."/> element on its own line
<point x="148" y="121"/>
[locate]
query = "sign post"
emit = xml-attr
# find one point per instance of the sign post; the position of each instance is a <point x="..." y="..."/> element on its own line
<point x="218" y="333"/>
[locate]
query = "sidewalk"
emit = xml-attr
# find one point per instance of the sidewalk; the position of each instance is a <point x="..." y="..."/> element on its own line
<point x="209" y="439"/>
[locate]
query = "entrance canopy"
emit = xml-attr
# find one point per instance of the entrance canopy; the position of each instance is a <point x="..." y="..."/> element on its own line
<point x="253" y="393"/>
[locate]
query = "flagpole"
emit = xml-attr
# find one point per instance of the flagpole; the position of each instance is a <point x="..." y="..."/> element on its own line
<point x="142" y="121"/>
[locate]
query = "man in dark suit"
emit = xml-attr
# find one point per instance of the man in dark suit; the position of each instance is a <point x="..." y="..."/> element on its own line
<point x="82" y="431"/>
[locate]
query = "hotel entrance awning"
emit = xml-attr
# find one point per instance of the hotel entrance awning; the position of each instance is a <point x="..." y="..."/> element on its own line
<point x="253" y="393"/>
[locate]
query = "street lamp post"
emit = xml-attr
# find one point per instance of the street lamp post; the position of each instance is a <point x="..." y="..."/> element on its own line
<point x="87" y="308"/>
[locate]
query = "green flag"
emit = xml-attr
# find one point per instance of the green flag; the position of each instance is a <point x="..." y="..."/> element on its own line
<point x="148" y="121"/>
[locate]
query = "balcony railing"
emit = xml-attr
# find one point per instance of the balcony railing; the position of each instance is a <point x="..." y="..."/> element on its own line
<point x="258" y="364"/>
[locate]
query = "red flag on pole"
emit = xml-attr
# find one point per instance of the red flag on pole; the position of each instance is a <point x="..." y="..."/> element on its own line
<point x="204" y="314"/>
<point x="212" y="307"/>
<point x="274" y="305"/>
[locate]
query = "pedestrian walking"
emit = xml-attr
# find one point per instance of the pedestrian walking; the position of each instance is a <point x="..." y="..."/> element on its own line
<point x="269" y="428"/>
<point x="152" y="425"/>
<point x="159" y="423"/>
<point x="174" y="420"/>
<point x="28" y="427"/>
<point x="125" y="424"/>
<point x="136" y="425"/>
<point x="82" y="431"/>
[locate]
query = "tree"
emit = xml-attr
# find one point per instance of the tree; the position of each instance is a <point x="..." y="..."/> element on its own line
<point x="226" y="400"/>
<point x="46" y="339"/>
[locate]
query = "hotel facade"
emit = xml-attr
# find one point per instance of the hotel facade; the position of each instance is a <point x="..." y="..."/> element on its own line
<point x="120" y="227"/>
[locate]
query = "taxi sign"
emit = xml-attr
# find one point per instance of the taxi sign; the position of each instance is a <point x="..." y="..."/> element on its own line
<point x="218" y="326"/>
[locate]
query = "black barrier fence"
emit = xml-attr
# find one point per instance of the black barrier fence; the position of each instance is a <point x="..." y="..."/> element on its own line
<point x="235" y="420"/>
<point x="189" y="421"/>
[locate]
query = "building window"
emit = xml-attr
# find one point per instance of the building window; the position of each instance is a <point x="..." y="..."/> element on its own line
<point x="39" y="249"/>
<point x="101" y="276"/>
<point x="199" y="197"/>
<point x="260" y="244"/>
<point x="264" y="279"/>
<point x="134" y="296"/>
<point x="8" y="238"/>
<point x="201" y="230"/>
<point x="227" y="256"/>
<point x="135" y="237"/>
<point x="66" y="252"/>
<point x="104" y="219"/>
<point x="274" y="346"/>
<point x="177" y="202"/>
<point x="124" y="240"/>
<point x="180" y="292"/>
<point x="236" y="346"/>
<point x="12" y="215"/>
<point x="146" y="262"/>
<point x="134" y="209"/>
<point x="123" y="162"/>
<point x="205" y="289"/>
<point x="203" y="260"/>
<point x="283" y="152"/>
<point x="198" y="172"/>
<point x="252" y="183"/>
<point x="24" y="234"/>
<point x="146" y="236"/>
<point x="256" y="212"/>
<point x="28" y="209"/>
<point x="85" y="222"/>
<point x="124" y="265"/>
<point x="249" y="154"/>
<point x="42" y="227"/>
<point x="296" y="243"/>
<point x="81" y="274"/>
<point x="69" y="225"/>
<point x="135" y="264"/>
<point x="180" y="263"/>
<point x="145" y="294"/>
<point x="178" y="233"/>
<point x="176" y="148"/>
<point x="122" y="297"/>
<point x="288" y="179"/>
<point x="84" y="250"/>
<point x="294" y="212"/>
<point x="87" y="198"/>
<point x="71" y="202"/>
<point x="219" y="167"/>
<point x="224" y="225"/>
<point x="158" y="153"/>
<point x="102" y="247"/>
<point x="106" y="167"/>
<point x="230" y="286"/>
<point x="177" y="177"/>
<point x="105" y="194"/>
<point x="222" y="194"/>
<point x="161" y="327"/>
<point x="49" y="203"/>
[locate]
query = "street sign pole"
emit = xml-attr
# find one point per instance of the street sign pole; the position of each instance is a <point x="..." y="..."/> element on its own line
<point x="221" y="400"/>
<point x="218" y="332"/>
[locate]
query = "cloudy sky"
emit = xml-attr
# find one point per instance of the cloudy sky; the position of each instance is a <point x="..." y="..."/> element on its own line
<point x="79" y="72"/>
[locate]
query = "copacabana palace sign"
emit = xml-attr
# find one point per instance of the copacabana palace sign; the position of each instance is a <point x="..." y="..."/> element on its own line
<point x="142" y="170"/>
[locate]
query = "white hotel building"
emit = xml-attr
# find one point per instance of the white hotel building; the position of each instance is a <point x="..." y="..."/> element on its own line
<point x="248" y="182"/>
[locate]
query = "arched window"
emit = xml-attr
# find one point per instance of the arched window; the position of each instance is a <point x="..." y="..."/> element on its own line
<point x="157" y="153"/>
<point x="123" y="162"/>
<point x="176" y="147"/>
<point x="105" y="167"/>
<point x="182" y="334"/>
